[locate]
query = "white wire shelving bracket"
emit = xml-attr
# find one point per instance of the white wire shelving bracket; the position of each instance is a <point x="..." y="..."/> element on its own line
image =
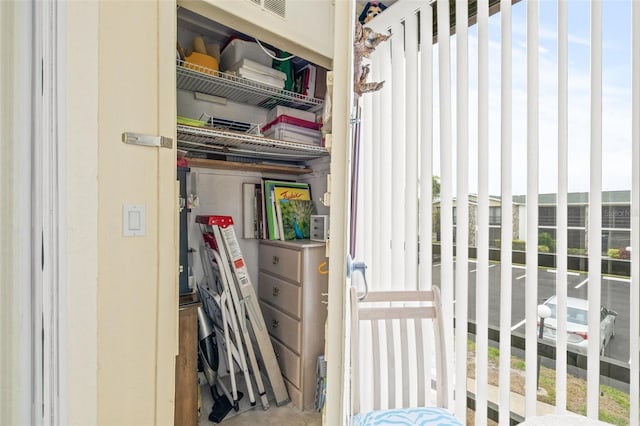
<point x="213" y="141"/>
<point x="195" y="78"/>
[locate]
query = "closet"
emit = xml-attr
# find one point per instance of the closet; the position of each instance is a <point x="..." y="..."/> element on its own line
<point x="223" y="144"/>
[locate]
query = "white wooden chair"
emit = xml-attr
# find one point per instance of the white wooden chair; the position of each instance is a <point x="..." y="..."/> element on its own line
<point x="392" y="324"/>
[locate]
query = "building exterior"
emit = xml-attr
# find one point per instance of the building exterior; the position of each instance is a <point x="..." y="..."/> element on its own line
<point x="616" y="222"/>
<point x="495" y="218"/>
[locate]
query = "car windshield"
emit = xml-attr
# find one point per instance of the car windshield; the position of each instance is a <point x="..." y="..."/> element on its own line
<point x="574" y="315"/>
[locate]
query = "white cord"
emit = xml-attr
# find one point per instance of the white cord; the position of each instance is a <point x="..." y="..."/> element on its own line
<point x="270" y="55"/>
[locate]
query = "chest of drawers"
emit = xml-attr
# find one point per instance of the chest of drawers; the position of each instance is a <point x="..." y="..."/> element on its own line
<point x="291" y="292"/>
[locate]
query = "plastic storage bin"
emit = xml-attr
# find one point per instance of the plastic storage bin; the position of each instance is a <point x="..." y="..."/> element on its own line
<point x="255" y="71"/>
<point x="286" y="119"/>
<point x="248" y="64"/>
<point x="260" y="78"/>
<point x="291" y="112"/>
<point x="292" y="133"/>
<point x="238" y="50"/>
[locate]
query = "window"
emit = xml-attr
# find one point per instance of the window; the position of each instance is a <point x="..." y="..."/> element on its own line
<point x="576" y="216"/>
<point x="547" y="216"/>
<point x="616" y="240"/>
<point x="494" y="215"/>
<point x="494" y="237"/>
<point x="576" y="240"/>
<point x="616" y="217"/>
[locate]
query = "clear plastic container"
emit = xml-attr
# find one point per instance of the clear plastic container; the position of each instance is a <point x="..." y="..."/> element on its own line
<point x="255" y="67"/>
<point x="237" y="50"/>
<point x="292" y="133"/>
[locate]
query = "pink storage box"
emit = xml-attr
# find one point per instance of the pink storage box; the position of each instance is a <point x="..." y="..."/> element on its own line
<point x="286" y="119"/>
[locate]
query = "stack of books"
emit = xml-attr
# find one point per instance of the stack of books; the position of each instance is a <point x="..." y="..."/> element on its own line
<point x="310" y="80"/>
<point x="321" y="384"/>
<point x="278" y="210"/>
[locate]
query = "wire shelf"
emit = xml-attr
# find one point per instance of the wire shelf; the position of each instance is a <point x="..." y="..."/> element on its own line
<point x="231" y="125"/>
<point x="213" y="141"/>
<point x="195" y="78"/>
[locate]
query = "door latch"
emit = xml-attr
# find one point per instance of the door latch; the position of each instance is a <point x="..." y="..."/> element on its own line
<point x="361" y="267"/>
<point x="147" y="140"/>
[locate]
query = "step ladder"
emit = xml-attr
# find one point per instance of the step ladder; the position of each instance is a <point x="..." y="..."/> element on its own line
<point x="219" y="233"/>
<point x="223" y="310"/>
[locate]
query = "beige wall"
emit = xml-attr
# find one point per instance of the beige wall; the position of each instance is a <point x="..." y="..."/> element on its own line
<point x="122" y="337"/>
<point x="82" y="211"/>
<point x="137" y="276"/>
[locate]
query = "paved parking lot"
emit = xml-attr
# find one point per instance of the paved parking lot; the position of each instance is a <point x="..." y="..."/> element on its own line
<point x="615" y="295"/>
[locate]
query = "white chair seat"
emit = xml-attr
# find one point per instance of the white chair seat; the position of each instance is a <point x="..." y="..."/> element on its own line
<point x="419" y="416"/>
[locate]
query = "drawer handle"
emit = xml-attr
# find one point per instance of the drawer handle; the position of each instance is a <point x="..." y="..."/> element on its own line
<point x="275" y="260"/>
<point x="275" y="323"/>
<point x="275" y="291"/>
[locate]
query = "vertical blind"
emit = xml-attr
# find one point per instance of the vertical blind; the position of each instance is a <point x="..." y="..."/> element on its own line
<point x="634" y="329"/>
<point x="506" y="231"/>
<point x="563" y="162"/>
<point x="462" y="207"/>
<point x="595" y="212"/>
<point x="421" y="125"/>
<point x="531" y="279"/>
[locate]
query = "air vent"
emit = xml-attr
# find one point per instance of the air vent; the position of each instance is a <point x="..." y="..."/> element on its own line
<point x="279" y="7"/>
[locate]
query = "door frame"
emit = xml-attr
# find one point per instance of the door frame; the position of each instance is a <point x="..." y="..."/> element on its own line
<point x="50" y="211"/>
<point x="337" y="338"/>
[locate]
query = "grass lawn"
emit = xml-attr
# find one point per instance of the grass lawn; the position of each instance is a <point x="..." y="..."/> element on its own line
<point x="614" y="404"/>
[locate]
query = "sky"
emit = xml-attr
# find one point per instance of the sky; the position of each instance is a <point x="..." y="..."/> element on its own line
<point x="616" y="109"/>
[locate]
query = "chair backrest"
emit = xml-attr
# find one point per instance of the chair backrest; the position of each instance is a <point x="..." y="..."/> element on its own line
<point x="397" y="355"/>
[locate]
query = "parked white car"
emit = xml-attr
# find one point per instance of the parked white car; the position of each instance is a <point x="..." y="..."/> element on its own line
<point x="577" y="324"/>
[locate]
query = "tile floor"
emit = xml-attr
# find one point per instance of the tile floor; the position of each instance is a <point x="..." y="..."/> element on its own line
<point x="287" y="415"/>
<point x="247" y="415"/>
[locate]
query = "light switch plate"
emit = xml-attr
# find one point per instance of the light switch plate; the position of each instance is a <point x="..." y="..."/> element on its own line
<point x="133" y="220"/>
